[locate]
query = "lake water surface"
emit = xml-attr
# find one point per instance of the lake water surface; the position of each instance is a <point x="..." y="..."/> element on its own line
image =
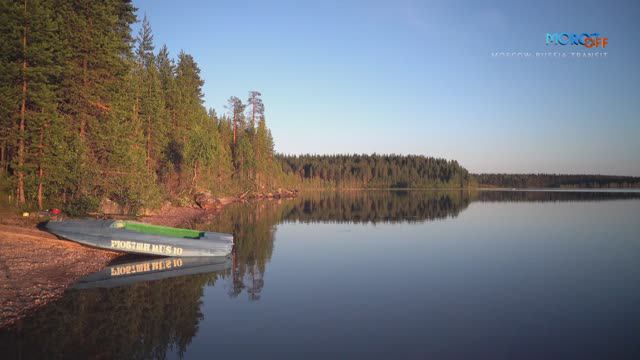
<point x="377" y="274"/>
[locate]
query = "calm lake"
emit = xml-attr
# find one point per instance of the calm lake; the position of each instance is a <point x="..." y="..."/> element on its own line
<point x="376" y="274"/>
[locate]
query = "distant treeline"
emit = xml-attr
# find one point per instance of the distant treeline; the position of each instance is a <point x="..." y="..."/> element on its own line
<point x="88" y="111"/>
<point x="375" y="171"/>
<point x="556" y="181"/>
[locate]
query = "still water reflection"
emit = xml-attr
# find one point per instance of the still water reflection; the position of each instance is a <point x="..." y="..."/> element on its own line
<point x="372" y="274"/>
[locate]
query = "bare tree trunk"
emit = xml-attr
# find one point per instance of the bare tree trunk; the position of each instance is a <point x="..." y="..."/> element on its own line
<point x="195" y="173"/>
<point x="23" y="113"/>
<point x="253" y="117"/>
<point x="83" y="120"/>
<point x="3" y="159"/>
<point x="235" y="126"/>
<point x="85" y="85"/>
<point x="149" y="143"/>
<point x="40" y="167"/>
<point x="40" y="187"/>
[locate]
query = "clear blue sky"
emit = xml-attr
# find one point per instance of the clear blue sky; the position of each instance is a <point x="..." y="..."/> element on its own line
<point x="418" y="77"/>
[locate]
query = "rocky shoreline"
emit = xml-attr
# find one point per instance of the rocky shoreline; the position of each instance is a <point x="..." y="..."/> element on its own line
<point x="205" y="205"/>
<point x="36" y="267"/>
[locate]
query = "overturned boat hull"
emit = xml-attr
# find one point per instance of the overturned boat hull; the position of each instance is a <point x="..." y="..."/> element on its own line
<point x="139" y="238"/>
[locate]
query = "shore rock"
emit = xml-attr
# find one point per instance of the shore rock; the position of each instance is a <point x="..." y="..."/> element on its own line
<point x="108" y="206"/>
<point x="226" y="200"/>
<point x="279" y="193"/>
<point x="206" y="201"/>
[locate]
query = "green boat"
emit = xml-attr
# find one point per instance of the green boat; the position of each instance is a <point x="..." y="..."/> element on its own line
<point x="141" y="238"/>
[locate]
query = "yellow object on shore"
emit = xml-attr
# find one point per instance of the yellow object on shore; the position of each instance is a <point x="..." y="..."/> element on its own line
<point x="25" y="214"/>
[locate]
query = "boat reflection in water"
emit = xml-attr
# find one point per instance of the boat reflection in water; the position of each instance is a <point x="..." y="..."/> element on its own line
<point x="133" y="270"/>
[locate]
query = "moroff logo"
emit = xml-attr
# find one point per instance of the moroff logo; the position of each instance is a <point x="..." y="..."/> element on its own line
<point x="588" y="40"/>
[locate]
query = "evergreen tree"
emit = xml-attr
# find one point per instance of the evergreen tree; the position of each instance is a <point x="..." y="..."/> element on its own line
<point x="11" y="55"/>
<point x="144" y="51"/>
<point x="256" y="107"/>
<point x="262" y="142"/>
<point x="236" y="109"/>
<point x="99" y="44"/>
<point x="150" y="100"/>
<point x="37" y="59"/>
<point x="244" y="160"/>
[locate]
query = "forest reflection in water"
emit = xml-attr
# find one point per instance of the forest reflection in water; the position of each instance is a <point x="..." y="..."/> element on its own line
<point x="149" y="319"/>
